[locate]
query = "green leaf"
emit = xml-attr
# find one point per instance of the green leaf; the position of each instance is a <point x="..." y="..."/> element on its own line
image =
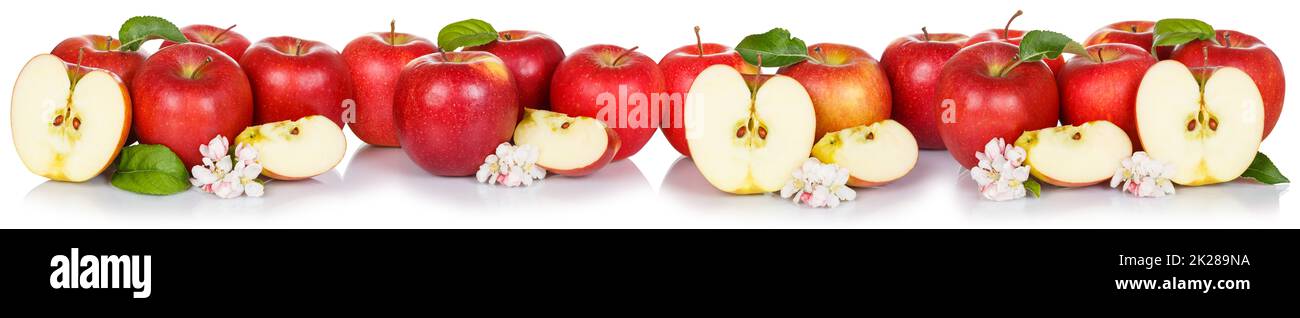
<point x="777" y="47"/>
<point x="1170" y="32"/>
<point x="135" y="31"/>
<point x="1034" y="188"/>
<point x="1263" y="170"/>
<point x="150" y="169"/>
<point x="472" y="32"/>
<point x="1039" y="44"/>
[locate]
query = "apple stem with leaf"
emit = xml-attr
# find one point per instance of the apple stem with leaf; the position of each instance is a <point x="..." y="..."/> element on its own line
<point x="1038" y="45"/>
<point x="699" y="43"/>
<point x="1006" y="31"/>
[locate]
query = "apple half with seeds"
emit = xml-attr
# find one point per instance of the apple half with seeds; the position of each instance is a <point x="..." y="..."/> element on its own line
<point x="296" y="149"/>
<point x="69" y="121"/>
<point x="567" y="146"/>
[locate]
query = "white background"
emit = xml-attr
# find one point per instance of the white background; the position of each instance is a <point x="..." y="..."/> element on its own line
<point x="380" y="188"/>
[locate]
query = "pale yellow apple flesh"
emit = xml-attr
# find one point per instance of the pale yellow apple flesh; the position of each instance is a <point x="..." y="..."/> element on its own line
<point x="747" y="143"/>
<point x="1075" y="156"/>
<point x="68" y="125"/>
<point x="1210" y="133"/>
<point x="296" y="149"/>
<point x="874" y="154"/>
<point x="567" y="145"/>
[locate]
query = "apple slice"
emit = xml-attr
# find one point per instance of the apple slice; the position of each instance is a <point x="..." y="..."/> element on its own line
<point x="68" y="121"/>
<point x="296" y="149"/>
<point x="567" y="146"/>
<point x="1208" y="125"/>
<point x="874" y="154"/>
<point x="748" y="141"/>
<point x="1076" y="156"/>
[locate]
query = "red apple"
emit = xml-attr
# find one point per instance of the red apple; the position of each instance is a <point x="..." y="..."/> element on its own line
<point x="532" y="58"/>
<point x="1103" y="86"/>
<point x="680" y="67"/>
<point x="1247" y="53"/>
<point x="452" y="110"/>
<point x="913" y="64"/>
<point x="1006" y="34"/>
<point x="848" y="87"/>
<point x="225" y="40"/>
<point x="984" y="95"/>
<point x="1138" y="33"/>
<point x="187" y="94"/>
<point x="375" y="61"/>
<point x="619" y="86"/>
<point x="294" y="78"/>
<point x="102" y="52"/>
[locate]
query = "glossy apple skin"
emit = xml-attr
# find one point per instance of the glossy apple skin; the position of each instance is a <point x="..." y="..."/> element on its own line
<point x="290" y="84"/>
<point x="375" y="61"/>
<point x="913" y="64"/>
<point x="1013" y="37"/>
<point x="1249" y="54"/>
<point x="611" y="148"/>
<point x="1104" y="85"/>
<point x="848" y="87"/>
<point x="101" y="54"/>
<point x="582" y="77"/>
<point x="452" y="110"/>
<point x="231" y="43"/>
<point x="532" y="58"/>
<point x="986" y="106"/>
<point x="182" y="112"/>
<point x="680" y="68"/>
<point x="1139" y="33"/>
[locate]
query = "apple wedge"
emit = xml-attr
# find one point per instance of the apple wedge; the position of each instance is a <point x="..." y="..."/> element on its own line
<point x="296" y="149"/>
<point x="567" y="146"/>
<point x="874" y="154"/>
<point x="1076" y="156"/>
<point x="1207" y="122"/>
<point x="68" y="121"/>
<point x="748" y="141"/>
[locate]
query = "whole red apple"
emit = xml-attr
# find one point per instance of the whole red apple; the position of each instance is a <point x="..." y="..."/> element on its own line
<point x="452" y="110"/>
<point x="225" y="40"/>
<point x="103" y="52"/>
<point x="1245" y="52"/>
<point x="680" y="68"/>
<point x="375" y="61"/>
<point x="1132" y="32"/>
<point x="913" y="64"/>
<point x="1006" y="34"/>
<point x="1103" y="86"/>
<point x="848" y="87"/>
<point x="984" y="95"/>
<point x="532" y="58"/>
<point x="187" y="94"/>
<point x="620" y="86"/>
<point x="294" y="78"/>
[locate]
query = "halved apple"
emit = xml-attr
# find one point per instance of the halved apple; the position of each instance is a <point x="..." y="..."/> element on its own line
<point x="1076" y="156"/>
<point x="1206" y="122"/>
<point x="296" y="149"/>
<point x="567" y="146"/>
<point x="874" y="154"/>
<point x="748" y="141"/>
<point x="69" y="121"/>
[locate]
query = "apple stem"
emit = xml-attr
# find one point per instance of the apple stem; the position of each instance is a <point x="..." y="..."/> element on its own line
<point x="625" y="53"/>
<point x="699" y="43"/>
<point x="195" y="73"/>
<point x="506" y="36"/>
<point x="821" y="56"/>
<point x="925" y="34"/>
<point x="1100" y="59"/>
<point x="392" y="32"/>
<point x="1004" y="71"/>
<point x="108" y="44"/>
<point x="217" y="38"/>
<point x="1006" y="31"/>
<point x="1133" y="28"/>
<point x="297" y="47"/>
<point x="1227" y="39"/>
